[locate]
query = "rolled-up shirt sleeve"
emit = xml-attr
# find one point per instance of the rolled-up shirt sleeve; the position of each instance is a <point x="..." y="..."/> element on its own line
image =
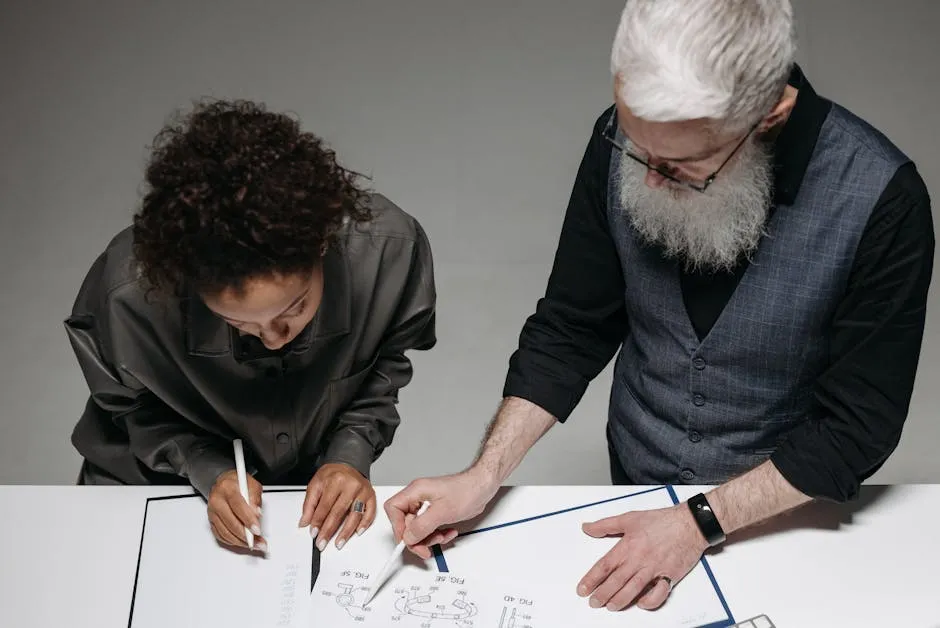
<point x="580" y="321"/>
<point x="864" y="395"/>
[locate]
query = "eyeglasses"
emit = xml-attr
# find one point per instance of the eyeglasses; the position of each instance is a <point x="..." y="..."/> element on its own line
<point x="608" y="134"/>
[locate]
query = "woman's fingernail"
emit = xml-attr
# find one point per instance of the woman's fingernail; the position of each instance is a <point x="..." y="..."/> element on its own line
<point x="313" y="531"/>
<point x="340" y="543"/>
<point x="261" y="545"/>
<point x="255" y="529"/>
<point x="360" y="531"/>
<point x="321" y="545"/>
<point x="595" y="603"/>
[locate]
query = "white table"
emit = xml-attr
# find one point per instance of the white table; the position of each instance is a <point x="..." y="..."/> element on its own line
<point x="871" y="563"/>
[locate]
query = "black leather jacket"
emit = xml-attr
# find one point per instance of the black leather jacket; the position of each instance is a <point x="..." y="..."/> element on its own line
<point x="172" y="384"/>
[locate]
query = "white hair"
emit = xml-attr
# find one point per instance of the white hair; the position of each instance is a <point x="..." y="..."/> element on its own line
<point x="725" y="60"/>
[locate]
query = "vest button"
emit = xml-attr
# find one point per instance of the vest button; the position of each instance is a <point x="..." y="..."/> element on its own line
<point x="283" y="438"/>
<point x="698" y="400"/>
<point x="687" y="475"/>
<point x="695" y="436"/>
<point x="699" y="363"/>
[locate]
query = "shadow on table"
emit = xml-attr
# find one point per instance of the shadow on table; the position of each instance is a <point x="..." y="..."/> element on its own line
<point x="814" y="515"/>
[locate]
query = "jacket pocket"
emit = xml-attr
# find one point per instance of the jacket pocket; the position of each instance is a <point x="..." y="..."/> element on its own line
<point x="344" y="390"/>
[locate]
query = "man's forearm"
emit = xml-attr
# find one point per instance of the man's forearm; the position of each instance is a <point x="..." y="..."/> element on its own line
<point x="518" y="425"/>
<point x="754" y="497"/>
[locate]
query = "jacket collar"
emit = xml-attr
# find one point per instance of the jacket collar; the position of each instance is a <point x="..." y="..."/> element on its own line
<point x="205" y="334"/>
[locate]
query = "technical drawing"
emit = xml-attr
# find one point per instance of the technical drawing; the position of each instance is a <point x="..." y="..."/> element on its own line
<point x="508" y="618"/>
<point x="350" y="598"/>
<point x="514" y="617"/>
<point x="412" y="602"/>
<point x="448" y="603"/>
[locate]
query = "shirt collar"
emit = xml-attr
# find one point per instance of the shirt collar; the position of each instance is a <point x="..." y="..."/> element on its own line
<point x="794" y="146"/>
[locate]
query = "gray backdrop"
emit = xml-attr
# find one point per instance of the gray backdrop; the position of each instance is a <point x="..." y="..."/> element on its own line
<point x="471" y="115"/>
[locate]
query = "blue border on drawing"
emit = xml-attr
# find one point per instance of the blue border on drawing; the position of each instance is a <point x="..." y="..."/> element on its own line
<point x="724" y="623"/>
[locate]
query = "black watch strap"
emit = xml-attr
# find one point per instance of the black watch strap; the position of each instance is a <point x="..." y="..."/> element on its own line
<point x="706" y="520"/>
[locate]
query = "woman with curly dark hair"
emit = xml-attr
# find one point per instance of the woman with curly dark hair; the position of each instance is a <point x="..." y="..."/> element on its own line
<point x="260" y="294"/>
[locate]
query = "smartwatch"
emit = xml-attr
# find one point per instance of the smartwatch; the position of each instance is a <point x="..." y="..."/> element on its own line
<point x="706" y="520"/>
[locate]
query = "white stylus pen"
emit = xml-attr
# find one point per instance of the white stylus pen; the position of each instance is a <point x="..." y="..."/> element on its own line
<point x="243" y="484"/>
<point x="380" y="579"/>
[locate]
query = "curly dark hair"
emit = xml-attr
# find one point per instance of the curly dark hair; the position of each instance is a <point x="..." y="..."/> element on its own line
<point x="237" y="192"/>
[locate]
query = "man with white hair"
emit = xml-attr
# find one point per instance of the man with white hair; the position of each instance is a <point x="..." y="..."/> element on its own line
<point x="759" y="256"/>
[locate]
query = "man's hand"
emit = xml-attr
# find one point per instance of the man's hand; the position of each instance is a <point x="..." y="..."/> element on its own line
<point x="230" y="514"/>
<point x="454" y="498"/>
<point x="330" y="496"/>
<point x="663" y="542"/>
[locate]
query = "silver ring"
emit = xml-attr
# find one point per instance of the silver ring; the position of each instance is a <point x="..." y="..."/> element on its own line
<point x="358" y="506"/>
<point x="668" y="582"/>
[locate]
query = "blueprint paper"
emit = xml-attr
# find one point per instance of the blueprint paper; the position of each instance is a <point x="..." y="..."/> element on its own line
<point x="186" y="579"/>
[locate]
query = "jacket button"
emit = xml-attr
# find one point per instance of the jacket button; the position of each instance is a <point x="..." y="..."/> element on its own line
<point x="699" y="363"/>
<point x="698" y="400"/>
<point x="687" y="475"/>
<point x="283" y="438"/>
<point x="695" y="436"/>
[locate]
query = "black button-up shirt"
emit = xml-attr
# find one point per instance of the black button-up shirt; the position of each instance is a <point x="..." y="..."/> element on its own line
<point x="875" y="335"/>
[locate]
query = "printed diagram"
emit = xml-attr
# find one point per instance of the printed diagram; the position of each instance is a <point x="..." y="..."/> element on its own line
<point x="515" y="616"/>
<point x="446" y="601"/>
<point x="351" y="599"/>
<point x="427" y="606"/>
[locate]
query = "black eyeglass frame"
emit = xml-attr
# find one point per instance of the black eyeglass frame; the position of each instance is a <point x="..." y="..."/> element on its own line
<point x="608" y="134"/>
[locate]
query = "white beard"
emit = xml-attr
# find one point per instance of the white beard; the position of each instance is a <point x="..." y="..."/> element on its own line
<point x="707" y="231"/>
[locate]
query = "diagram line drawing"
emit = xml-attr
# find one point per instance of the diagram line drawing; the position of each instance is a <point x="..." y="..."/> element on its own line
<point x="510" y="621"/>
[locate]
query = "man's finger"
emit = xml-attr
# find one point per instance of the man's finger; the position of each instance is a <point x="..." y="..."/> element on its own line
<point x="405" y="502"/>
<point x="655" y="597"/>
<point x="396" y="517"/>
<point x="421" y="551"/>
<point x="610" y="586"/>
<point x="339" y="511"/>
<point x="441" y="537"/>
<point x="630" y="591"/>
<point x="419" y="528"/>
<point x="312" y="496"/>
<point x="604" y="527"/>
<point x="599" y="572"/>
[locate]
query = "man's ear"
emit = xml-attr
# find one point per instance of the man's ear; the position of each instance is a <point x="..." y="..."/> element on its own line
<point x="781" y="111"/>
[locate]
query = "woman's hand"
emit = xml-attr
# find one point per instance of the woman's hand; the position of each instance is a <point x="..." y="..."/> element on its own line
<point x="230" y="514"/>
<point x="331" y="496"/>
